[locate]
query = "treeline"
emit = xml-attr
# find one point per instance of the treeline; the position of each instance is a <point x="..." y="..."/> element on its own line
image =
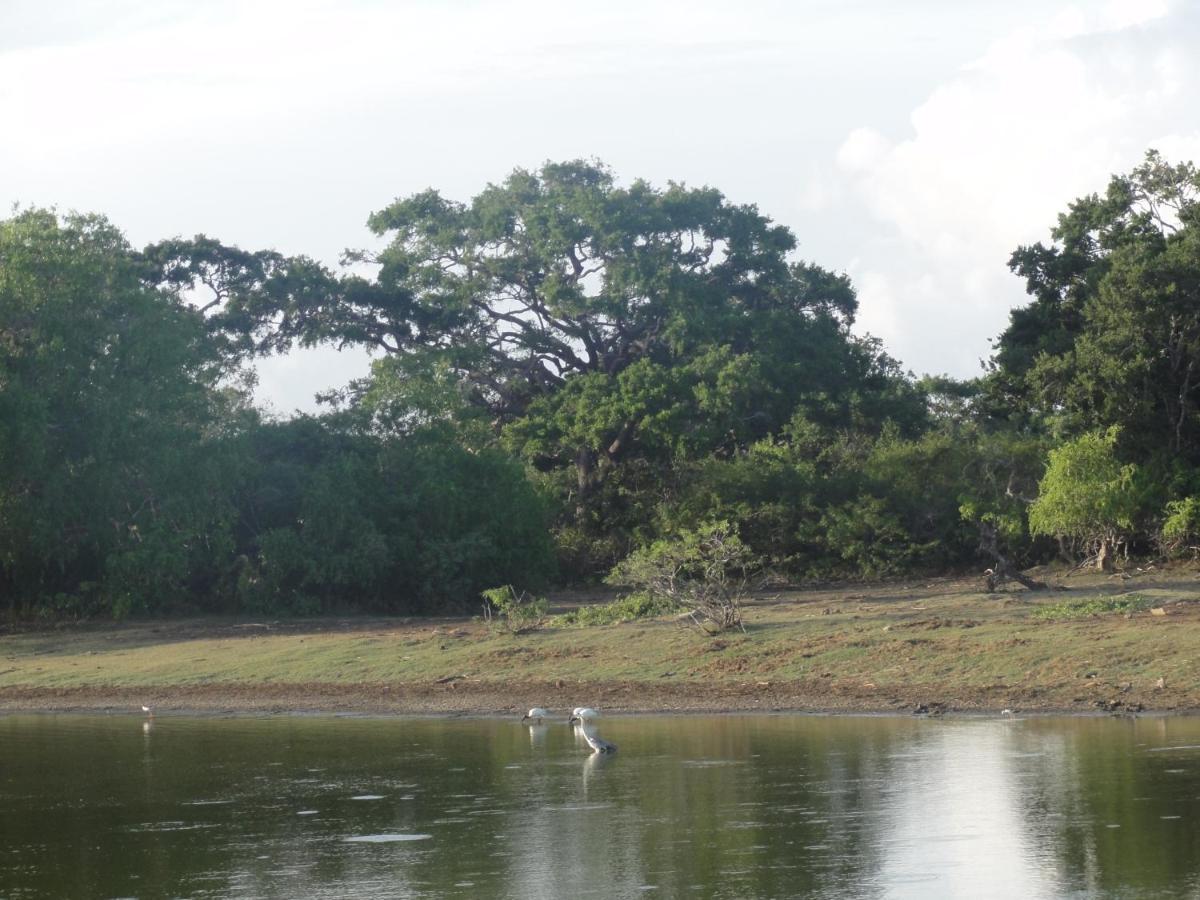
<point x="568" y="371"/>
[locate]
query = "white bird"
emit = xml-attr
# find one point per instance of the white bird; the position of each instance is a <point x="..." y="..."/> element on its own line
<point x="148" y="711"/>
<point x="536" y="714"/>
<point x="585" y="715"/>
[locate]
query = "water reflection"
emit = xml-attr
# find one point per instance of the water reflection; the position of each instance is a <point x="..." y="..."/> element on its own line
<point x="699" y="807"/>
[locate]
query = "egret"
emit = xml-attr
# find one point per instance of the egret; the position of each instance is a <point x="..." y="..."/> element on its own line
<point x="585" y="716"/>
<point x="148" y="711"/>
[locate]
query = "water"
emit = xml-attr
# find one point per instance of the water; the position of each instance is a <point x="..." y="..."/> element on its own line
<point x="736" y="807"/>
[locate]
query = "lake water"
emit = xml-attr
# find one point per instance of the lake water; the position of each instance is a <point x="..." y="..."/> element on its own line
<point x="737" y="807"/>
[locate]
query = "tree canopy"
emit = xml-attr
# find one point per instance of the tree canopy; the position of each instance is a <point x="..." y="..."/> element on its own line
<point x="110" y="417"/>
<point x="1112" y="336"/>
<point x="571" y="370"/>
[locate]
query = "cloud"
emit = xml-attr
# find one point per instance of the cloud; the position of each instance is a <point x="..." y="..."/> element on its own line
<point x="1047" y="114"/>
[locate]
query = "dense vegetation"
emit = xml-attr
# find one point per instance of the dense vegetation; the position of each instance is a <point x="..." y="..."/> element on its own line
<point x="572" y="374"/>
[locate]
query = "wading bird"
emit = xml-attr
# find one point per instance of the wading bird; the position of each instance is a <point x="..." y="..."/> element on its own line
<point x="536" y="715"/>
<point x="585" y="715"/>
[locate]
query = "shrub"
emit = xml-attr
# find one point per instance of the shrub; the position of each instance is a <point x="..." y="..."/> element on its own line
<point x="705" y="571"/>
<point x="638" y="605"/>
<point x="1087" y="496"/>
<point x="1181" y="528"/>
<point x="513" y="612"/>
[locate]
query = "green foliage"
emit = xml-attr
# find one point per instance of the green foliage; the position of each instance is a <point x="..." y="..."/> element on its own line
<point x="1112" y="337"/>
<point x="704" y="571"/>
<point x="1095" y="606"/>
<point x="866" y="534"/>
<point x="515" y="613"/>
<point x="113" y="474"/>
<point x="1087" y="494"/>
<point x="1181" y="527"/>
<point x="336" y="519"/>
<point x="608" y="336"/>
<point x="629" y="608"/>
<point x="579" y="370"/>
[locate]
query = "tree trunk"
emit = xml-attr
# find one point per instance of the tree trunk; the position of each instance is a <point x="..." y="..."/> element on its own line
<point x="585" y="480"/>
<point x="1003" y="570"/>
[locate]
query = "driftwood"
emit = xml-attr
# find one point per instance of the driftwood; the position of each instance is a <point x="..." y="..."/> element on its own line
<point x="1003" y="570"/>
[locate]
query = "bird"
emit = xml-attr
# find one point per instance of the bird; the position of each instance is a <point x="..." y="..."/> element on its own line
<point x="585" y="715"/>
<point x="536" y="714"/>
<point x="148" y="711"/>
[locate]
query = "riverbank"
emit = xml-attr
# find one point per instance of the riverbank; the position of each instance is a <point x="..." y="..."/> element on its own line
<point x="1115" y="644"/>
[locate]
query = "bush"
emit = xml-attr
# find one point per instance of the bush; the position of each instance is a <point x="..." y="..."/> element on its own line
<point x="333" y="520"/>
<point x="513" y="612"/>
<point x="705" y="572"/>
<point x="1087" y="496"/>
<point x="638" y="605"/>
<point x="1181" y="528"/>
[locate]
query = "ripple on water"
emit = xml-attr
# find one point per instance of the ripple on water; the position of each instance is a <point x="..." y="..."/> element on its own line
<point x="385" y="838"/>
<point x="577" y="807"/>
<point x="368" y="797"/>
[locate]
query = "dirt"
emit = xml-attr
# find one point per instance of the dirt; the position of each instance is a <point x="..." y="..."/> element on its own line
<point x="474" y="697"/>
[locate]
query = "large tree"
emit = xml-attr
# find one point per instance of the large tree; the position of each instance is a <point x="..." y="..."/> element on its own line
<point x="1112" y="336"/>
<point x="112" y="481"/>
<point x="588" y="317"/>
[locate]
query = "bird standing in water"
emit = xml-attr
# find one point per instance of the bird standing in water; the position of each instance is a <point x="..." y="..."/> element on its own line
<point x="585" y="716"/>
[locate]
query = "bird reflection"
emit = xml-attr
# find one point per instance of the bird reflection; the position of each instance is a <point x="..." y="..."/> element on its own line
<point x="593" y="768"/>
<point x="537" y="735"/>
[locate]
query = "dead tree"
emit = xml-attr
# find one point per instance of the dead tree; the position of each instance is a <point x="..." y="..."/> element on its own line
<point x="1003" y="570"/>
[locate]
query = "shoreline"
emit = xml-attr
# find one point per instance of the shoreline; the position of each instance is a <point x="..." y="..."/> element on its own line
<point x="488" y="700"/>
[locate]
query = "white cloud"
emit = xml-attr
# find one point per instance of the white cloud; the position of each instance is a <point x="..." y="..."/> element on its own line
<point x="284" y="122"/>
<point x="995" y="153"/>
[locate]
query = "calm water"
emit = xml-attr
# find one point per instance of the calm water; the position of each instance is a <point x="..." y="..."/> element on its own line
<point x="734" y="807"/>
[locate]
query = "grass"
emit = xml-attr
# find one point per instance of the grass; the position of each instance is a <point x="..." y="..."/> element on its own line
<point x="870" y="647"/>
<point x="1094" y="606"/>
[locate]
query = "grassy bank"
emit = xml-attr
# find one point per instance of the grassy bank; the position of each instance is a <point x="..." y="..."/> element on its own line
<point x="1105" y="643"/>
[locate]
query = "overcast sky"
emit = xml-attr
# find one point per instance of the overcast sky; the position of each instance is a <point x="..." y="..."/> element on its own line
<point x="912" y="145"/>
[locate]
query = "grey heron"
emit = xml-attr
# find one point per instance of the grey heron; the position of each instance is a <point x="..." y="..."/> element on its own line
<point x="585" y="716"/>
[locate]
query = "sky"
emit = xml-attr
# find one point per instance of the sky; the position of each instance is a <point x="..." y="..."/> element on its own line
<point x="911" y="145"/>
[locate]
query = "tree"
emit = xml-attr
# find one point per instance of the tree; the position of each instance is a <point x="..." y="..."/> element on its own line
<point x="112" y="410"/>
<point x="558" y="292"/>
<point x="1112" y="337"/>
<point x="1087" y="496"/>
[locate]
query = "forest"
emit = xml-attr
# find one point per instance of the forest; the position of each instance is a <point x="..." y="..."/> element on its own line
<point x="570" y="375"/>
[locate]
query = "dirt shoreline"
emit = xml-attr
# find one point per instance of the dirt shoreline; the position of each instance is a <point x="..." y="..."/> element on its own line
<point x="464" y="698"/>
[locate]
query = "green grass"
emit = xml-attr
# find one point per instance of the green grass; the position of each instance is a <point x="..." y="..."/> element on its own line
<point x="1093" y="606"/>
<point x="941" y="638"/>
